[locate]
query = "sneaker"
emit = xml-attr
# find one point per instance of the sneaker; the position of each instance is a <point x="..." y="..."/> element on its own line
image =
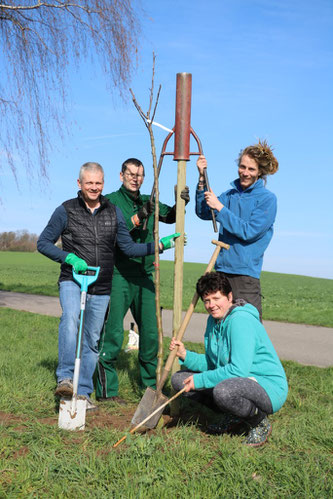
<point x="227" y="424"/>
<point x="91" y="407"/>
<point x="115" y="399"/>
<point x="258" y="435"/>
<point x="64" y="388"/>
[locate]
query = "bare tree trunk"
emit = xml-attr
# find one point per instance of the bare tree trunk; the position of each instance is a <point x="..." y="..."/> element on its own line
<point x="157" y="262"/>
<point x="148" y="120"/>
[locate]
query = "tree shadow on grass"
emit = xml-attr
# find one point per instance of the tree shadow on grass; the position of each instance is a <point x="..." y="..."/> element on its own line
<point x="50" y="364"/>
<point x="192" y="413"/>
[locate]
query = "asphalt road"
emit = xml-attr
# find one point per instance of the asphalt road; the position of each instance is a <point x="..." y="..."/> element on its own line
<point x="309" y="345"/>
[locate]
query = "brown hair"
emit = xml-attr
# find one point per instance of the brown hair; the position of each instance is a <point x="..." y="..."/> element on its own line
<point x="263" y="156"/>
<point x="211" y="282"/>
<point x="132" y="161"/>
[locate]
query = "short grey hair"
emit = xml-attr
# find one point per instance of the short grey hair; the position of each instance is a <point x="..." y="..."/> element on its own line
<point x="90" y="167"/>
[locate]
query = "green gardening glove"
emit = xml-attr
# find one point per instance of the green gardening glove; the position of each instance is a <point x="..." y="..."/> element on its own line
<point x="168" y="242"/>
<point x="77" y="263"/>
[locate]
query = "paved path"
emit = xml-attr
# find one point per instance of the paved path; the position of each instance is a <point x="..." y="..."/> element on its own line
<point x="310" y="345"/>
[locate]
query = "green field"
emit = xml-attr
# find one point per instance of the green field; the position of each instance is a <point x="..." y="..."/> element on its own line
<point x="288" y="298"/>
<point x="180" y="460"/>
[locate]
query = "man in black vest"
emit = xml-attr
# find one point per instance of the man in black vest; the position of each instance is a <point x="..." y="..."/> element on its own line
<point x="90" y="227"/>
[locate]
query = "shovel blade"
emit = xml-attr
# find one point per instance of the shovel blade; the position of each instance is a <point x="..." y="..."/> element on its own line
<point x="69" y="420"/>
<point x="150" y="401"/>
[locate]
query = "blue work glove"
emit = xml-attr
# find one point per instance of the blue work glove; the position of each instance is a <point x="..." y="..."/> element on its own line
<point x="77" y="263"/>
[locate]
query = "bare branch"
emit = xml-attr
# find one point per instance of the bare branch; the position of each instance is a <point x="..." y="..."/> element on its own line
<point x="139" y="109"/>
<point x="152" y="87"/>
<point x="156" y="103"/>
<point x="40" y="41"/>
<point x="58" y="5"/>
<point x="149" y="125"/>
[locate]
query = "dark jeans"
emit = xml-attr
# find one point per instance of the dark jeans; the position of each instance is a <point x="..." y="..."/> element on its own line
<point x="238" y="396"/>
<point x="246" y="287"/>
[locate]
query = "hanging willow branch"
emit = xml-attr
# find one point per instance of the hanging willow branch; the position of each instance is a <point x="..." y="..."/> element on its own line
<point x="148" y="119"/>
<point x="41" y="42"/>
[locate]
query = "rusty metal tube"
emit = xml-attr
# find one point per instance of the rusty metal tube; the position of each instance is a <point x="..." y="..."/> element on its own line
<point x="183" y="117"/>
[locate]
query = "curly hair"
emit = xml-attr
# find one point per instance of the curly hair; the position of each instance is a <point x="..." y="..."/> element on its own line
<point x="211" y="282"/>
<point x="263" y="156"/>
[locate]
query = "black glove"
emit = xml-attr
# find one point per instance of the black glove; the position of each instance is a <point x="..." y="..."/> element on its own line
<point x="145" y="211"/>
<point x="142" y="214"/>
<point x="185" y="194"/>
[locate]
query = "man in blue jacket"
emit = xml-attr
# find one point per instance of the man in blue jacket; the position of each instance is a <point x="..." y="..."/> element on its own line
<point x="90" y="228"/>
<point x="246" y="214"/>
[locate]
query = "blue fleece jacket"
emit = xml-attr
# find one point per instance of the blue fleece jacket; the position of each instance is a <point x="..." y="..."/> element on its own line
<point x="246" y="223"/>
<point x="239" y="346"/>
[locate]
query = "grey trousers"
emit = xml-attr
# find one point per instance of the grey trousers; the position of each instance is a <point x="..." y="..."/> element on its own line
<point x="241" y="397"/>
<point x="246" y="287"/>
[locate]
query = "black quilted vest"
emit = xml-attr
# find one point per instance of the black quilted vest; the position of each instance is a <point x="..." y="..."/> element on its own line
<point x="91" y="237"/>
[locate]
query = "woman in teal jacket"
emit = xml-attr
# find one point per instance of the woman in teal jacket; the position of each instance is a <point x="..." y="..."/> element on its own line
<point x="240" y="374"/>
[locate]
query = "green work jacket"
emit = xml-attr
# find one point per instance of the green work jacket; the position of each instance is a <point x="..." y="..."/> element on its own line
<point x="129" y="205"/>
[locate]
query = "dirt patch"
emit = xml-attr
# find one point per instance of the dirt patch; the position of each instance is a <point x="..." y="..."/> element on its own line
<point x="23" y="451"/>
<point x="121" y="419"/>
<point x="118" y="418"/>
<point x="7" y="418"/>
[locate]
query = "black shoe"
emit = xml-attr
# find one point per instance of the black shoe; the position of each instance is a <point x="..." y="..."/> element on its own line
<point x="258" y="435"/>
<point x="115" y="399"/>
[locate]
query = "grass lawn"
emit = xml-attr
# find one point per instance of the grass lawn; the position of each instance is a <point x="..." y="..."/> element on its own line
<point x="178" y="460"/>
<point x="288" y="298"/>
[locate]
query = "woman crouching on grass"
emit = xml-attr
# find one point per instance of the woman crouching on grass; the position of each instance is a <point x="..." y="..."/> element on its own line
<point x="240" y="375"/>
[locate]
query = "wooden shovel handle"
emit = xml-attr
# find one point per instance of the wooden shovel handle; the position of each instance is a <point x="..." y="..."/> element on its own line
<point x="151" y="415"/>
<point x="188" y="315"/>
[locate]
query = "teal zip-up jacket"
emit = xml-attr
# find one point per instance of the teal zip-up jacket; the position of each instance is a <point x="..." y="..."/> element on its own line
<point x="129" y="205"/>
<point x="246" y="223"/>
<point x="238" y="346"/>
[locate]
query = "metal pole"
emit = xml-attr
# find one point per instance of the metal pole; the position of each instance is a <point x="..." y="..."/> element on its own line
<point x="181" y="154"/>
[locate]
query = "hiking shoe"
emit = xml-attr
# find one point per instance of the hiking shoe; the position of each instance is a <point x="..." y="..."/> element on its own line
<point x="227" y="424"/>
<point x="64" y="388"/>
<point x="259" y="434"/>
<point x="91" y="407"/>
<point x="115" y="399"/>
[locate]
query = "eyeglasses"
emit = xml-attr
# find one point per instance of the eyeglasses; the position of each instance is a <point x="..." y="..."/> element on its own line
<point x="133" y="175"/>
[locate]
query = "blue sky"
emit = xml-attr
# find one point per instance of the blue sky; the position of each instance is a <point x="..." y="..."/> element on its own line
<point x="260" y="69"/>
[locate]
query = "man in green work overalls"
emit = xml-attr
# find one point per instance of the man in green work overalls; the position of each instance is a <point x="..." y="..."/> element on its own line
<point x="132" y="285"/>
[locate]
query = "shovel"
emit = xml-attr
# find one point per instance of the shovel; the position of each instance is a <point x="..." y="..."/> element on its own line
<point x="158" y="410"/>
<point x="72" y="412"/>
<point x="154" y="399"/>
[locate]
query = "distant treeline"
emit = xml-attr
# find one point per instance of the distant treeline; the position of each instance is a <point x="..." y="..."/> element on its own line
<point x="20" y="240"/>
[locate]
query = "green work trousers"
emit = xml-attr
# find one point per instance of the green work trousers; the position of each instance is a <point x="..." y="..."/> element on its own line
<point x="138" y="294"/>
